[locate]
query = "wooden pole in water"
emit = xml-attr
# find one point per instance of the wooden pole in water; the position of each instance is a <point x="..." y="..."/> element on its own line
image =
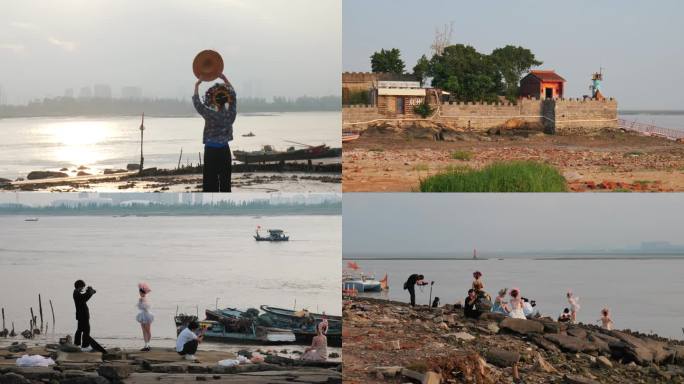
<point x="53" y="314"/>
<point x="180" y="158"/>
<point x="3" y="318"/>
<point x="40" y="311"/>
<point x="142" y="128"/>
<point x="199" y="156"/>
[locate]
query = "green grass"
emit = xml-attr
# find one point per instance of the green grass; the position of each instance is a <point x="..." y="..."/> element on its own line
<point x="461" y="155"/>
<point x="514" y="176"/>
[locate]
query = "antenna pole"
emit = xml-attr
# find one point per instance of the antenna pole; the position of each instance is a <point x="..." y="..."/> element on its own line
<point x="142" y="128"/>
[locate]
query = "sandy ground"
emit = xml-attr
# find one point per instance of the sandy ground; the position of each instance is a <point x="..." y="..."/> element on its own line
<point x="242" y="182"/>
<point x="609" y="161"/>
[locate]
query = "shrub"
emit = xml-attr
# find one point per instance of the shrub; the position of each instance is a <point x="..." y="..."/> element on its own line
<point x="461" y="155"/>
<point x="423" y="110"/>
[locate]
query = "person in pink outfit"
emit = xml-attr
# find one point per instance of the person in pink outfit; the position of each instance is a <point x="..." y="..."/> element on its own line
<point x="574" y="305"/>
<point x="606" y="320"/>
<point x="318" y="351"/>
<point x="145" y="317"/>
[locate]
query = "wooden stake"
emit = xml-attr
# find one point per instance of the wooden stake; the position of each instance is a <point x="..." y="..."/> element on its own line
<point x="53" y="314"/>
<point x="180" y="158"/>
<point x="3" y="317"/>
<point x="40" y="310"/>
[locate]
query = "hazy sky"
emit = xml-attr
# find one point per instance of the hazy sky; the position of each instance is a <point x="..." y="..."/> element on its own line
<point x="436" y="223"/>
<point x="639" y="43"/>
<point x="282" y="48"/>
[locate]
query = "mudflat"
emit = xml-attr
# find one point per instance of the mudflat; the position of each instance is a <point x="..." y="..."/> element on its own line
<point x="610" y="160"/>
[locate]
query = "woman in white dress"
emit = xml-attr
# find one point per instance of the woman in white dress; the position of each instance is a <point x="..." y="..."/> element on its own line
<point x="145" y="317"/>
<point x="516" y="305"/>
<point x="574" y="306"/>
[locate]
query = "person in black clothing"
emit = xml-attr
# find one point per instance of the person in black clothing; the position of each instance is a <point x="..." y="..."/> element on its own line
<point x="410" y="285"/>
<point x="82" y="336"/>
<point x="470" y="308"/>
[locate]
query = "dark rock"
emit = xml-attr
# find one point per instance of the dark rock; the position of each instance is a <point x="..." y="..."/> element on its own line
<point x="83" y="173"/>
<point x="642" y="350"/>
<point x="114" y="372"/>
<point x="132" y="167"/>
<point x="521" y="326"/>
<point x="498" y="317"/>
<point x="64" y="170"/>
<point x="576" y="379"/>
<point x="38" y="373"/>
<point x="577" y="332"/>
<point x="245" y="353"/>
<point x="13" y="378"/>
<point x="334" y="355"/>
<point x="85" y="380"/>
<point x="502" y="358"/>
<point x="109" y="171"/>
<point x="544" y="343"/>
<point x="5" y="181"/>
<point x="572" y="343"/>
<point x="69" y="348"/>
<point x="37" y="175"/>
<point x="17" y="347"/>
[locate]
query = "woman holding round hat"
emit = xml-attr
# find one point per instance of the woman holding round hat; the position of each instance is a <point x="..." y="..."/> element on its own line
<point x="219" y="110"/>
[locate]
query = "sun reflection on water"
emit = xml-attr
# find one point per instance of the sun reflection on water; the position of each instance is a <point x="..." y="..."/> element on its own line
<point x="78" y="141"/>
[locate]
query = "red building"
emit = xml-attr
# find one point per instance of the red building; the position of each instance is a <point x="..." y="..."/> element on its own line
<point x="542" y="84"/>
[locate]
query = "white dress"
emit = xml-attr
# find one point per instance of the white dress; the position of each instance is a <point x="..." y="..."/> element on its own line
<point x="144" y="316"/>
<point x="516" y="310"/>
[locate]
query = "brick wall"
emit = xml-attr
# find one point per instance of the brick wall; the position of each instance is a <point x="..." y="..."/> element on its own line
<point x="359" y="113"/>
<point x="581" y="116"/>
<point x="482" y="116"/>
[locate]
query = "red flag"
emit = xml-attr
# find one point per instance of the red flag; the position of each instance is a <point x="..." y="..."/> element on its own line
<point x="352" y="265"/>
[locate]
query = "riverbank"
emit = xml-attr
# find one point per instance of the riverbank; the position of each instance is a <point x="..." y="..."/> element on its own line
<point x="159" y="365"/>
<point x="390" y="342"/>
<point x="290" y="178"/>
<point x="390" y="160"/>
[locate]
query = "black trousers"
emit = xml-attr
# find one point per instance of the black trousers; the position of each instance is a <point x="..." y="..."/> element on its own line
<point x="82" y="336"/>
<point x="217" y="170"/>
<point x="189" y="348"/>
<point x="412" y="292"/>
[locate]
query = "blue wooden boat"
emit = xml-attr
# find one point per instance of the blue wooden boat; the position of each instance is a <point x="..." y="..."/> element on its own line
<point x="302" y="323"/>
<point x="230" y="324"/>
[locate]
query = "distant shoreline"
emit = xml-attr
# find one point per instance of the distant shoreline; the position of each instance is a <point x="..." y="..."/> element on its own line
<point x="660" y="256"/>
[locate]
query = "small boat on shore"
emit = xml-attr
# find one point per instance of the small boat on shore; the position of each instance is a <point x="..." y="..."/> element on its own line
<point x="302" y="323"/>
<point x="273" y="235"/>
<point x="230" y="324"/>
<point x="362" y="283"/>
<point x="251" y="134"/>
<point x="269" y="154"/>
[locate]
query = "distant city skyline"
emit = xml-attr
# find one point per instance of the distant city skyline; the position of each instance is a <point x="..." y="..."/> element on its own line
<point x="291" y="48"/>
<point x="637" y="43"/>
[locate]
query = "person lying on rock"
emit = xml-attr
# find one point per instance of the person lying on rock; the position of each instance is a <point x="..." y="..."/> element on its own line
<point x="188" y="341"/>
<point x="470" y="308"/>
<point x="410" y="285"/>
<point x="318" y="351"/>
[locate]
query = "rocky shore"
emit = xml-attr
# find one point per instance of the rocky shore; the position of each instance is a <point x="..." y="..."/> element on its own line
<point x="390" y="342"/>
<point x="395" y="156"/>
<point x="160" y="365"/>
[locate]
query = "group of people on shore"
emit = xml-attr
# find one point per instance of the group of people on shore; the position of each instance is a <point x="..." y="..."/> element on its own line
<point x="516" y="306"/>
<point x="188" y="339"/>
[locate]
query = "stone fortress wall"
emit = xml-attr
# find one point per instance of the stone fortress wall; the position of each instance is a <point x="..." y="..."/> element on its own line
<point x="561" y="116"/>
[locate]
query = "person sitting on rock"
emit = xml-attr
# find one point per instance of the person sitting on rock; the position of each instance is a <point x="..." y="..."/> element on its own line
<point x="565" y="316"/>
<point x="516" y="305"/>
<point x="188" y="341"/>
<point x="318" y="351"/>
<point x="529" y="308"/>
<point x="470" y="308"/>
<point x="606" y="321"/>
<point x="410" y="285"/>
<point x="435" y="302"/>
<point x="500" y="304"/>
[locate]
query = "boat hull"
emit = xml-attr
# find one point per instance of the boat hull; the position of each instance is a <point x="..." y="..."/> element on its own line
<point x="304" y="328"/>
<point x="319" y="152"/>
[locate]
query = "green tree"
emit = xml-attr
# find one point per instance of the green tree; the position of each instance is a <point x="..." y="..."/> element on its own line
<point x="421" y="69"/>
<point x="467" y="74"/>
<point x="387" y="61"/>
<point x="512" y="62"/>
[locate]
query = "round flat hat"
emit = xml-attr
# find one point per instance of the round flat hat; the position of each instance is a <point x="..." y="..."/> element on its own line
<point x="208" y="65"/>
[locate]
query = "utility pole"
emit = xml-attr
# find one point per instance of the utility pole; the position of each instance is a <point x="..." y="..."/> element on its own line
<point x="142" y="128"/>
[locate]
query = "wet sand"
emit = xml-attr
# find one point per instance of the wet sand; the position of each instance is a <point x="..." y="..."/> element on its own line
<point x="608" y="161"/>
